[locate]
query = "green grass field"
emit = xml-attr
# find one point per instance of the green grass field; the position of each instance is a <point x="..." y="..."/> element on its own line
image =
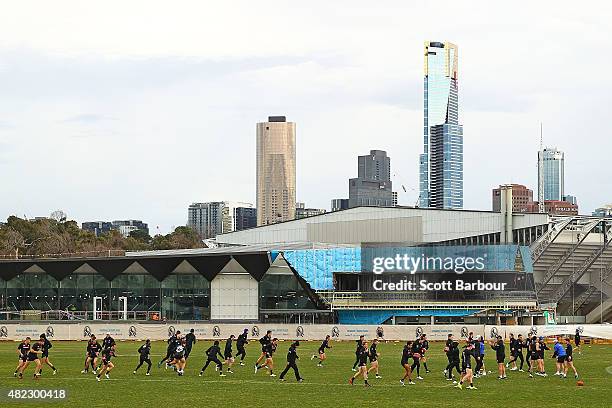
<point x="323" y="387"/>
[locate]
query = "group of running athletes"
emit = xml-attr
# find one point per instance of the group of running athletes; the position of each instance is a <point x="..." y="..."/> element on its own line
<point x="98" y="356"/>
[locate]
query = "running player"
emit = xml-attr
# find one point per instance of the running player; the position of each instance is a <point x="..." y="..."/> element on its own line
<point x="227" y="354"/>
<point x="107" y="343"/>
<point x="322" y="347"/>
<point x="292" y="358"/>
<point x="500" y="355"/>
<point x="561" y="355"/>
<point x="570" y="358"/>
<point x="107" y="364"/>
<point x="447" y="347"/>
<point x="264" y="341"/>
<point x="91" y="356"/>
<point x="358" y="351"/>
<point x="374" y="358"/>
<point x="424" y="348"/>
<point x="23" y="349"/>
<point x="405" y="362"/>
<point x="173" y="341"/>
<point x="363" y="364"/>
<point x="144" y="351"/>
<point x="416" y="358"/>
<point x="34" y="354"/>
<point x="211" y="356"/>
<point x="466" y="364"/>
<point x="269" y="350"/>
<point x="44" y="358"/>
<point x="478" y="354"/>
<point x="179" y="359"/>
<point x="454" y="361"/>
<point x="241" y="341"/>
<point x="190" y="340"/>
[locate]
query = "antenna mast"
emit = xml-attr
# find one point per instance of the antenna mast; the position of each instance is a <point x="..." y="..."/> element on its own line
<point x="541" y="207"/>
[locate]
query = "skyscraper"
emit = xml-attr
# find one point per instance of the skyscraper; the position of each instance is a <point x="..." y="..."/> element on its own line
<point x="372" y="187"/>
<point x="218" y="217"/>
<point x="275" y="170"/>
<point x="551" y="174"/>
<point x="441" y="164"/>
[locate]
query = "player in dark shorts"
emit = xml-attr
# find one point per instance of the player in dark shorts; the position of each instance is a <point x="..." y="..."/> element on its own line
<point x="264" y="341"/>
<point x="107" y="364"/>
<point x="569" y="359"/>
<point x="269" y="350"/>
<point x="292" y="358"/>
<point x="145" y="353"/>
<point x="374" y="358"/>
<point x="561" y="355"/>
<point x="516" y="352"/>
<point x="23" y="349"/>
<point x="173" y="342"/>
<point x="424" y="348"/>
<point x="466" y="365"/>
<point x="211" y="357"/>
<point x="362" y="365"/>
<point x="228" y="355"/>
<point x="107" y="343"/>
<point x="454" y="361"/>
<point x="91" y="355"/>
<point x="416" y="357"/>
<point x="321" y="352"/>
<point x="34" y="354"/>
<point x="241" y="341"/>
<point x="541" y="348"/>
<point x="577" y="340"/>
<point x="178" y="358"/>
<point x="500" y="355"/>
<point x="447" y="347"/>
<point x="190" y="340"/>
<point x="358" y="351"/>
<point x="478" y="354"/>
<point x="532" y="355"/>
<point x="44" y="358"/>
<point x="405" y="362"/>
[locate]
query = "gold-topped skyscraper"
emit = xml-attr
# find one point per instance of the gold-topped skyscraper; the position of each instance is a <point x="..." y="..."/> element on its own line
<point x="275" y="170"/>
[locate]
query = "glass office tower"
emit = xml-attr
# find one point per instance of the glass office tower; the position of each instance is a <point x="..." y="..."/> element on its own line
<point x="441" y="164"/>
<point x="552" y="167"/>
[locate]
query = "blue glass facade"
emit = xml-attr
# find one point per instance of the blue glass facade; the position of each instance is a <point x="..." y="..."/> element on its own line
<point x="441" y="164"/>
<point x="553" y="173"/>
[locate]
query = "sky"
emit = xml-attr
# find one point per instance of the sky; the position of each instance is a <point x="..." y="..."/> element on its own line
<point x="135" y="109"/>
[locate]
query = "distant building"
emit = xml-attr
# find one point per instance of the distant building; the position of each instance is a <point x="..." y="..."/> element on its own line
<point x="570" y="199"/>
<point x="219" y="217"/>
<point x="372" y="187"/>
<point x="302" y="212"/>
<point x="275" y="170"/>
<point x="97" y="227"/>
<point x="556" y="207"/>
<point x="551" y="174"/>
<point x="395" y="198"/>
<point x="125" y="227"/>
<point x="603" y="211"/>
<point x="338" y="204"/>
<point x="522" y="198"/>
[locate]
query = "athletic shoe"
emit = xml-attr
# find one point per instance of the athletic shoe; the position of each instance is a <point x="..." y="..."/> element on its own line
<point x="420" y="378"/>
<point x="83" y="372"/>
<point x="272" y="375"/>
<point x="241" y="363"/>
<point x="454" y="382"/>
<point x="513" y="369"/>
<point x="445" y="372"/>
<point x="521" y="371"/>
<point x="402" y="382"/>
<point x="98" y="378"/>
<point x="15" y="374"/>
<point x="282" y="379"/>
<point x="354" y="370"/>
<point x="134" y="372"/>
<point x="471" y="387"/>
<point x="530" y="375"/>
<point x="222" y="375"/>
<point x="300" y="380"/>
<point x="199" y="375"/>
<point x="148" y="374"/>
<point x="107" y="376"/>
<point x="378" y="376"/>
<point x="507" y="365"/>
<point x="557" y="373"/>
<point x="427" y="371"/>
<point x="459" y="386"/>
<point x="230" y="371"/>
<point x="312" y="357"/>
<point x="319" y="365"/>
<point x="576" y="376"/>
<point x="449" y="379"/>
<point x="256" y="369"/>
<point x="411" y="383"/>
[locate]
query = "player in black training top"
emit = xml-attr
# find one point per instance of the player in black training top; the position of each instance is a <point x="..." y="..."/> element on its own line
<point x="424" y="348"/>
<point x="190" y="340"/>
<point x="454" y="360"/>
<point x="363" y="364"/>
<point x="91" y="355"/>
<point x="178" y="357"/>
<point x="577" y="340"/>
<point x="211" y="356"/>
<point x="405" y="362"/>
<point x="44" y="357"/>
<point x="292" y="358"/>
<point x="466" y="365"/>
<point x="447" y="347"/>
<point x="264" y="341"/>
<point x="242" y="341"/>
<point x="107" y="364"/>
<point x="541" y="347"/>
<point x="358" y="351"/>
<point x="321" y="354"/>
<point x="269" y="350"/>
<point x="228" y="354"/>
<point x="569" y="359"/>
<point x="23" y="349"/>
<point x="500" y="355"/>
<point x="107" y="343"/>
<point x="416" y="357"/>
<point x="34" y="353"/>
<point x="374" y="358"/>
<point x="145" y="352"/>
<point x="173" y="341"/>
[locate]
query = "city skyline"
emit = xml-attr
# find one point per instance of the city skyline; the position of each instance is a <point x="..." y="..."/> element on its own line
<point x="123" y="117"/>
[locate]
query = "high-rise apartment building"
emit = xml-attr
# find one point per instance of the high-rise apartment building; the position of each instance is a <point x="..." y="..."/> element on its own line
<point x="217" y="217"/>
<point x="275" y="171"/>
<point x="372" y="187"/>
<point x="551" y="174"/>
<point x="441" y="164"/>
